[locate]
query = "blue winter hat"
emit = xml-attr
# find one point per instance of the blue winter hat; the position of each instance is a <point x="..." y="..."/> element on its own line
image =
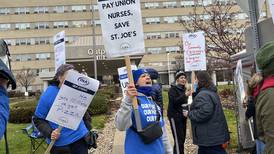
<point x="137" y="73"/>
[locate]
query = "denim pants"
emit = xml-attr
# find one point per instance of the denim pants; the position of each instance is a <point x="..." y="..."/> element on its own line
<point x="259" y="146"/>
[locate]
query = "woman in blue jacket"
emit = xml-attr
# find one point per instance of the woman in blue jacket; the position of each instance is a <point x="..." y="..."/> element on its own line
<point x="68" y="141"/>
<point x="148" y="109"/>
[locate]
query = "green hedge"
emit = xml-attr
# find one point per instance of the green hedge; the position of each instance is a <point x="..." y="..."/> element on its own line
<point x="22" y="111"/>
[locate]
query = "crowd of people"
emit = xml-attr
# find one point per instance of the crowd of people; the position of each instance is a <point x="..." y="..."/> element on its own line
<point x="209" y="126"/>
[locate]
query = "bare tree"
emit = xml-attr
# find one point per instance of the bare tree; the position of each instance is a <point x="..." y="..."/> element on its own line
<point x="179" y="59"/>
<point x="25" y="77"/>
<point x="224" y="34"/>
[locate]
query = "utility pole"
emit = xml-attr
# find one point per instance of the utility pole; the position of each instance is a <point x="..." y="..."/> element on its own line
<point x="93" y="41"/>
<point x="254" y="16"/>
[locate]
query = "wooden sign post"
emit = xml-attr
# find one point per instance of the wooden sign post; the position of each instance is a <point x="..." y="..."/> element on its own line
<point x="134" y="103"/>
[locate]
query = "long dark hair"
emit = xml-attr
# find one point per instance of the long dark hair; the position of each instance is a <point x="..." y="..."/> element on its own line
<point x="204" y="80"/>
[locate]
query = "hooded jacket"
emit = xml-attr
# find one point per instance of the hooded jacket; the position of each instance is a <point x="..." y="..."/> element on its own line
<point x="209" y="126"/>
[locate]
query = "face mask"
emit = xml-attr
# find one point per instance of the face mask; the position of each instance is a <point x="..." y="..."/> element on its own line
<point x="195" y="86"/>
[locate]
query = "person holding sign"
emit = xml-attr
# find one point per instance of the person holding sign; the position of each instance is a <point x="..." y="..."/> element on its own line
<point x="68" y="141"/>
<point x="209" y="126"/>
<point x="152" y="139"/>
<point x="178" y="96"/>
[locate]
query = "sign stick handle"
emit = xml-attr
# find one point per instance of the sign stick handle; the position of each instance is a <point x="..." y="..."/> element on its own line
<point x="52" y="142"/>
<point x="192" y="81"/>
<point x="135" y="103"/>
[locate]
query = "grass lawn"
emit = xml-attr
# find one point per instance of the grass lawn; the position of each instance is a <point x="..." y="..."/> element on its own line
<point x="19" y="143"/>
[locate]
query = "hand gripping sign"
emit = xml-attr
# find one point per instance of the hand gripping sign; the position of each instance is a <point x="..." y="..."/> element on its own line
<point x="72" y="101"/>
<point x="122" y="30"/>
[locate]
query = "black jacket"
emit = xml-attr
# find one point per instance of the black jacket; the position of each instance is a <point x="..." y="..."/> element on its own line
<point x="156" y="94"/>
<point x="250" y="112"/>
<point x="209" y="126"/>
<point x="176" y="97"/>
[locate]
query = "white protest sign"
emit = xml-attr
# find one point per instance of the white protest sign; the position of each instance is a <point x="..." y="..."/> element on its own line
<point x="271" y="8"/>
<point x="72" y="100"/>
<point x="123" y="77"/>
<point x="122" y="27"/>
<point x="239" y="79"/>
<point x="194" y="51"/>
<point x="59" y="49"/>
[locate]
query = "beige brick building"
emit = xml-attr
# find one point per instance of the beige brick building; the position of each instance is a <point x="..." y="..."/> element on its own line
<point x="28" y="27"/>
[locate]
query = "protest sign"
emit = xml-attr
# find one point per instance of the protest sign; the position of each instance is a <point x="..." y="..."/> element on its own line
<point x="72" y="100"/>
<point x="59" y="49"/>
<point x="194" y="51"/>
<point x="122" y="27"/>
<point x="123" y="77"/>
<point x="239" y="80"/>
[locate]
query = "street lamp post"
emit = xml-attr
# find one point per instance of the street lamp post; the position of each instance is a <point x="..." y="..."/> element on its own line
<point x="94" y="42"/>
<point x="168" y="68"/>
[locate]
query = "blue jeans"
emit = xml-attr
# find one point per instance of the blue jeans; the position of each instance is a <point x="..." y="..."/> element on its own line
<point x="259" y="146"/>
<point x="218" y="149"/>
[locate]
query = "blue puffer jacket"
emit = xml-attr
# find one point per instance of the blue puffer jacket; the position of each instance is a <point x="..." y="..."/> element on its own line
<point x="4" y="110"/>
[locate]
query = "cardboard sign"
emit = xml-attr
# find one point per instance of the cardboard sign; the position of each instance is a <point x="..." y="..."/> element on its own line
<point x="123" y="77"/>
<point x="59" y="49"/>
<point x="72" y="100"/>
<point x="194" y="51"/>
<point x="122" y="27"/>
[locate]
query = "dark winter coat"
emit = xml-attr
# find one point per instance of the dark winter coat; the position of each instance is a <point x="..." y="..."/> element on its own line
<point x="176" y="97"/>
<point x="209" y="126"/>
<point x="156" y="94"/>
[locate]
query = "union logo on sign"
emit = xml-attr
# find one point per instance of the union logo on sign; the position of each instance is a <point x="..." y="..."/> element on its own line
<point x="83" y="81"/>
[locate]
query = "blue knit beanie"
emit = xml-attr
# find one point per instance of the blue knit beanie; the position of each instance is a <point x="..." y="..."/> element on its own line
<point x="137" y="73"/>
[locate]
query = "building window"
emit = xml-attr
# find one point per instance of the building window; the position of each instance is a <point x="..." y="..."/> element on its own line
<point x="170" y="19"/>
<point x="41" y="25"/>
<point x="79" y="23"/>
<point x="22" y="26"/>
<point x="169" y="4"/>
<point x="42" y="41"/>
<point x="153" y="36"/>
<point x="22" y="42"/>
<point x="95" y="7"/>
<point x="186" y="18"/>
<point x="4" y="11"/>
<point x="152" y="20"/>
<point x="241" y="16"/>
<point x="151" y="5"/>
<point x="205" y="16"/>
<point x="41" y="10"/>
<point x="171" y="35"/>
<point x="187" y="3"/>
<point x="43" y="56"/>
<point x="22" y="10"/>
<point x="59" y="9"/>
<point x="154" y="50"/>
<point x="22" y="57"/>
<point x="97" y="22"/>
<point x="60" y="24"/>
<point x="173" y="49"/>
<point x="207" y="2"/>
<point x="4" y="26"/>
<point x="78" y="8"/>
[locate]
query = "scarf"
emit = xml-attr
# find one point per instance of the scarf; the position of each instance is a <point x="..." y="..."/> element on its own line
<point x="146" y="90"/>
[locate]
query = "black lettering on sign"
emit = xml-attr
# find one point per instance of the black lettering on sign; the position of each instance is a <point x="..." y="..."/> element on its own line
<point x="121" y="24"/>
<point x="119" y="14"/>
